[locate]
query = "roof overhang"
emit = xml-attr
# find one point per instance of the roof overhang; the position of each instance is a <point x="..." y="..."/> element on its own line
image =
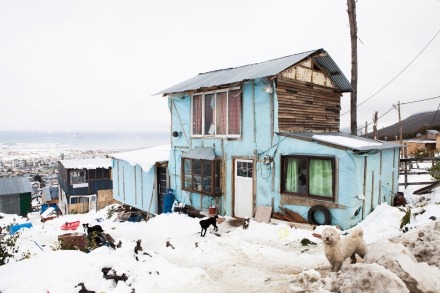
<point x="199" y="153"/>
<point x="357" y="144"/>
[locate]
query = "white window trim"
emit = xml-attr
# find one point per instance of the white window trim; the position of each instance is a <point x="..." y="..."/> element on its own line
<point x="215" y="113"/>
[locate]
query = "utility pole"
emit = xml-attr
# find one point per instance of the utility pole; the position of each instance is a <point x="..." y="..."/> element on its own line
<point x="366" y="128"/>
<point x="354" y="70"/>
<point x="375" y="125"/>
<point x="400" y="122"/>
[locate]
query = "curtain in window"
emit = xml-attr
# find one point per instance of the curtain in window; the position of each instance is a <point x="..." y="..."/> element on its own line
<point x="221" y="113"/>
<point x="321" y="177"/>
<point x="209" y="114"/>
<point x="234" y="109"/>
<point x="292" y="175"/>
<point x="197" y="114"/>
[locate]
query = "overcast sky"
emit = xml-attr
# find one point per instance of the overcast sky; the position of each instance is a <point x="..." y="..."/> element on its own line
<point x="95" y="65"/>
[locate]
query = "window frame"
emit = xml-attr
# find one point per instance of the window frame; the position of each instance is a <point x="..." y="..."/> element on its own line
<point x="308" y="158"/>
<point x="76" y="173"/>
<point x="214" y="118"/>
<point x="214" y="181"/>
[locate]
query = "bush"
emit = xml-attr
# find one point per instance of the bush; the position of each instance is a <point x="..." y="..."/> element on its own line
<point x="434" y="171"/>
<point x="7" y="247"/>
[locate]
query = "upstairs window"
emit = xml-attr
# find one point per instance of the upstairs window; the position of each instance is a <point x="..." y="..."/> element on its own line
<point x="217" y="113"/>
<point x="77" y="176"/>
<point x="308" y="176"/>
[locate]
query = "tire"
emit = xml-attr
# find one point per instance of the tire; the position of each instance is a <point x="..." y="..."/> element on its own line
<point x="322" y="209"/>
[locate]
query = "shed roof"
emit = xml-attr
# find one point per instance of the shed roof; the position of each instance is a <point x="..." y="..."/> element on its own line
<point x="260" y="70"/>
<point x="92" y="163"/>
<point x="346" y="140"/>
<point x="15" y="185"/>
<point x="146" y="158"/>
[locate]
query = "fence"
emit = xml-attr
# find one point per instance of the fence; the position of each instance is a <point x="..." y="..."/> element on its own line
<point x="406" y="169"/>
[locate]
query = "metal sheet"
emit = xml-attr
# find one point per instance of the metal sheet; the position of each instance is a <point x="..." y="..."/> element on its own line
<point x="199" y="154"/>
<point x="230" y="76"/>
<point x="15" y="185"/>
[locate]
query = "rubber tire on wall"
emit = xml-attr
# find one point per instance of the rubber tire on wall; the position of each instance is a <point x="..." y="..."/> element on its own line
<point x="322" y="209"/>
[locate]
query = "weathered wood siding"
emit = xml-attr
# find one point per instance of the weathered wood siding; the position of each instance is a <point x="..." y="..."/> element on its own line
<point x="307" y="100"/>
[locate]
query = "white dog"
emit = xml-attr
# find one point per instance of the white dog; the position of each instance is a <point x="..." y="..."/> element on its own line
<point x="337" y="249"/>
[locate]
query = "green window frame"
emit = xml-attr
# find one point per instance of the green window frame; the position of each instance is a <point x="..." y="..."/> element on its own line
<point x="308" y="176"/>
<point x="201" y="176"/>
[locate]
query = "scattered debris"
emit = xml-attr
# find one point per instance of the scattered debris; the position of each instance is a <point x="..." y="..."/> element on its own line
<point x="138" y="248"/>
<point x="113" y="276"/>
<point x="290" y="216"/>
<point x="307" y="242"/>
<point x="399" y="200"/>
<point x="406" y="219"/>
<point x="83" y="289"/>
<point x="169" y="244"/>
<point x="262" y="215"/>
<point x="72" y="241"/>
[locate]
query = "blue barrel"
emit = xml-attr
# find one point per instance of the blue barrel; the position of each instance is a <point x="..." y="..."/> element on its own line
<point x="168" y="201"/>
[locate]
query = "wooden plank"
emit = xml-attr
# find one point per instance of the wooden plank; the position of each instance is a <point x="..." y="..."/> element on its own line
<point x="263" y="214"/>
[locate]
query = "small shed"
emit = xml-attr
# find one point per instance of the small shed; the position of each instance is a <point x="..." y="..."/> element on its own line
<point x="141" y="178"/>
<point x="83" y="181"/>
<point x="15" y="195"/>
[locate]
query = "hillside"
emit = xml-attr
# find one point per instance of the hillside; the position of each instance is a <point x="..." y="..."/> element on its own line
<point x="417" y="123"/>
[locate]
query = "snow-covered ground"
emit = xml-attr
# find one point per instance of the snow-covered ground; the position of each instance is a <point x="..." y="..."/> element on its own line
<point x="262" y="258"/>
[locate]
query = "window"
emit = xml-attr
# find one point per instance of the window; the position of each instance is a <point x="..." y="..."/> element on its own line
<point x="217" y="113"/>
<point x="77" y="176"/>
<point x="308" y="176"/>
<point x="201" y="176"/>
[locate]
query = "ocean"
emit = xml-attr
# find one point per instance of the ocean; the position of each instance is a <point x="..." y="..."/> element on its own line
<point x="29" y="141"/>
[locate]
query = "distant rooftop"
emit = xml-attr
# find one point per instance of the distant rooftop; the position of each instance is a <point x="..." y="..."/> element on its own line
<point x="92" y="163"/>
<point x="15" y="185"/>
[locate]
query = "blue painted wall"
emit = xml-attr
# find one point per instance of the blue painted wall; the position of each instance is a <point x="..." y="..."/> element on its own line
<point x="259" y="137"/>
<point x="134" y="186"/>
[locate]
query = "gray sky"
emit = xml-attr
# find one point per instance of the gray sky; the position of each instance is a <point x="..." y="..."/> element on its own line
<point x="94" y="65"/>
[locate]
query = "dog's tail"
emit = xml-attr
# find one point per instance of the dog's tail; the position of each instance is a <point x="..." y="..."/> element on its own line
<point x="357" y="232"/>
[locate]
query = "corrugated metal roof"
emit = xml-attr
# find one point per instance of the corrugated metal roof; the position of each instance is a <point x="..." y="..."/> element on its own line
<point x="347" y="140"/>
<point x="336" y="75"/>
<point x="92" y="163"/>
<point x="15" y="185"/>
<point x="199" y="154"/>
<point x="257" y="70"/>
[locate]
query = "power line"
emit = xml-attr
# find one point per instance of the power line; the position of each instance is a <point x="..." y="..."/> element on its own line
<point x="411" y="102"/>
<point x="395" y="77"/>
<point x="420" y="100"/>
<point x="377" y="118"/>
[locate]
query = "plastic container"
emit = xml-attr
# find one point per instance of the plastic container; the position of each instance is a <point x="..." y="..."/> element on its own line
<point x="168" y="201"/>
<point x="17" y="227"/>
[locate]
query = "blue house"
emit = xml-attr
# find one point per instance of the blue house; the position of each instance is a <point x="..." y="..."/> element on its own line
<point x="267" y="134"/>
<point x="140" y="178"/>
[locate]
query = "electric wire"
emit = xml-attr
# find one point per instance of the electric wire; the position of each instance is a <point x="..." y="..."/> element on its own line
<point x="395" y="77"/>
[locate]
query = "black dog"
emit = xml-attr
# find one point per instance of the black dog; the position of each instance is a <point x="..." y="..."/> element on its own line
<point x="96" y="228"/>
<point x="208" y="222"/>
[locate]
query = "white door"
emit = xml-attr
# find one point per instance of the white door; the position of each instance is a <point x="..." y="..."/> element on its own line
<point x="243" y="188"/>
